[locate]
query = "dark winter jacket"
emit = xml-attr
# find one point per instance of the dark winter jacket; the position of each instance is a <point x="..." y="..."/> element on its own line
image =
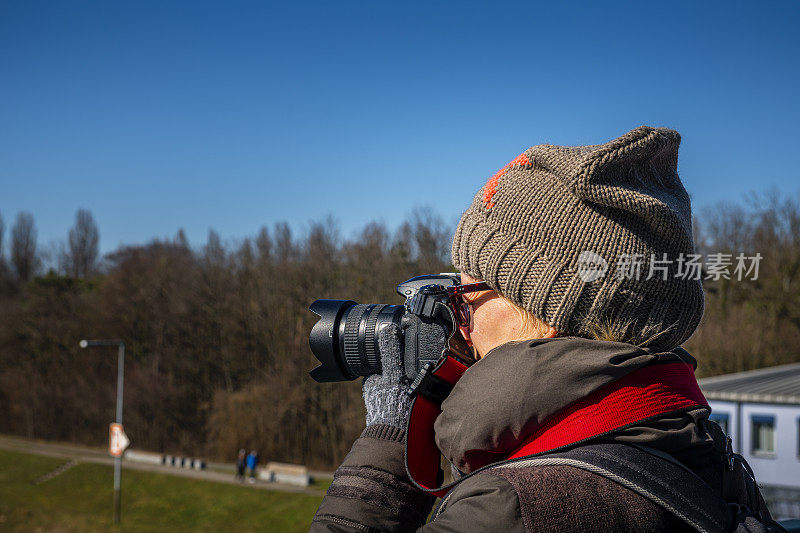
<point x="499" y="402"/>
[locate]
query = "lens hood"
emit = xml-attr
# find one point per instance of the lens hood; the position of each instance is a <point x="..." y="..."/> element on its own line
<point x="324" y="340"/>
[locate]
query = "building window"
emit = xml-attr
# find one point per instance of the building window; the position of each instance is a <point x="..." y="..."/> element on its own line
<point x="763" y="435"/>
<point x="721" y="419"/>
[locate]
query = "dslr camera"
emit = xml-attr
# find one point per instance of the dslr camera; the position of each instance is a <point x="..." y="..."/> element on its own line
<point x="345" y="339"/>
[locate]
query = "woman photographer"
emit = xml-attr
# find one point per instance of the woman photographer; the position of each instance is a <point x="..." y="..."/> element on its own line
<point x="575" y="266"/>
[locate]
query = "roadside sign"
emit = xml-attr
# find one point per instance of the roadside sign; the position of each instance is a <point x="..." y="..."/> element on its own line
<point x="117" y="440"/>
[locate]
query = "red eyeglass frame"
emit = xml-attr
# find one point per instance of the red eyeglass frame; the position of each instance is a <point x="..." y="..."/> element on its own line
<point x="459" y="306"/>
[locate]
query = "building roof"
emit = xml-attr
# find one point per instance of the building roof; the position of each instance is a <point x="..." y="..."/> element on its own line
<point x="776" y="384"/>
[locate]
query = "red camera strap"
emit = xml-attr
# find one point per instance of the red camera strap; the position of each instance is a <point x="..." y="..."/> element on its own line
<point x="643" y="394"/>
<point x="422" y="455"/>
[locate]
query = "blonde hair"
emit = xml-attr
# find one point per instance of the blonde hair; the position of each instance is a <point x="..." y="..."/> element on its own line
<point x="532" y="326"/>
<point x="614" y="331"/>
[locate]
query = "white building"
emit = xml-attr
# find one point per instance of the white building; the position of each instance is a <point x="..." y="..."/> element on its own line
<point x="760" y="411"/>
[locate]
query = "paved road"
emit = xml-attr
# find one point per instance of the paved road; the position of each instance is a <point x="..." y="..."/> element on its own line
<point x="217" y="471"/>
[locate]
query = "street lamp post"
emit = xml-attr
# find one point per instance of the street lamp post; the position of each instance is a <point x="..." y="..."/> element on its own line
<point x="120" y="381"/>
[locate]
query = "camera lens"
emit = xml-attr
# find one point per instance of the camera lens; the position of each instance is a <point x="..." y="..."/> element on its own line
<point x="345" y="339"/>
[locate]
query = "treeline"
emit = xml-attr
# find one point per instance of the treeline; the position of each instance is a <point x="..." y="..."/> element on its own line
<point x="217" y="336"/>
<point x="751" y="323"/>
<point x="217" y="353"/>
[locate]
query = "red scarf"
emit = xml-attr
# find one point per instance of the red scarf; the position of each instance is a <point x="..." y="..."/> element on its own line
<point x="644" y="394"/>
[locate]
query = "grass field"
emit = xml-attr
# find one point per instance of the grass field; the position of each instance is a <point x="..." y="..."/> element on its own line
<point x="81" y="498"/>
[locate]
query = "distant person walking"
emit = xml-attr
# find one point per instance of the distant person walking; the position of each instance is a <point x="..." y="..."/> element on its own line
<point x="252" y="463"/>
<point x="241" y="465"/>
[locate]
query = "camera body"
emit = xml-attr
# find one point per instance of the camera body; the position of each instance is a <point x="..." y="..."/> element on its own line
<point x="345" y="339"/>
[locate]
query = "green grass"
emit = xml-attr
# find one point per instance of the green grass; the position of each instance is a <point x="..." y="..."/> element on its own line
<point x="81" y="499"/>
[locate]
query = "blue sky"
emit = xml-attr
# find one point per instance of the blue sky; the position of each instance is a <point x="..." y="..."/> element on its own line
<point x="232" y="115"/>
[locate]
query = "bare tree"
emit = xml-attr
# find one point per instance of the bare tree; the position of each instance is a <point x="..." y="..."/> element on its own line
<point x="214" y="251"/>
<point x="4" y="273"/>
<point x="23" y="247"/>
<point x="431" y="239"/>
<point x="83" y="245"/>
<point x="264" y="244"/>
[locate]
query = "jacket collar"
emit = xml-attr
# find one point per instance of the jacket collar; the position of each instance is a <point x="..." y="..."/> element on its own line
<point x="507" y="395"/>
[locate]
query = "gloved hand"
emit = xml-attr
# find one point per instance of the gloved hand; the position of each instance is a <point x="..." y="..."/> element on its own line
<point x="386" y="394"/>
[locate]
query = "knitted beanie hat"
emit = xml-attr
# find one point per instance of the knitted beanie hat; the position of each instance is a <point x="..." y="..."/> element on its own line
<point x="590" y="238"/>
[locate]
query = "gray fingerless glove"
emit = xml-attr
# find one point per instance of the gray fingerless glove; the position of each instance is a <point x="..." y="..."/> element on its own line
<point x="386" y="394"/>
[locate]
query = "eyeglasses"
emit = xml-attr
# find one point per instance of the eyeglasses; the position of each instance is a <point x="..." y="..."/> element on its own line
<point x="459" y="306"/>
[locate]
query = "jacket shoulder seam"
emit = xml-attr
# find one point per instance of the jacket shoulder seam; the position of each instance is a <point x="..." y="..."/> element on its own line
<point x="467" y="481"/>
